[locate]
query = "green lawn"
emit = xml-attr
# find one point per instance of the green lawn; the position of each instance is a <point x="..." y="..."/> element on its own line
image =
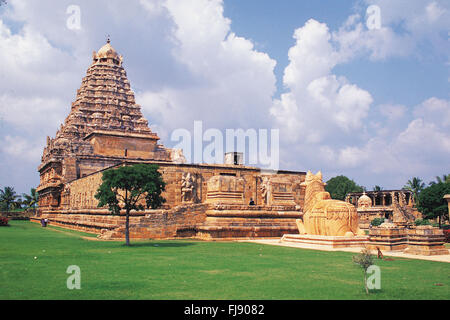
<point x="187" y="269"/>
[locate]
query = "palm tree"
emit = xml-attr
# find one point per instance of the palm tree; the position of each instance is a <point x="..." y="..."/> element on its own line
<point x="416" y="185"/>
<point x="31" y="200"/>
<point x="444" y="179"/>
<point x="9" y="198"/>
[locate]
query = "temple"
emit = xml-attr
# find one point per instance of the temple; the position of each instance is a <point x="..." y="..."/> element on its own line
<point x="396" y="205"/>
<point x="105" y="129"/>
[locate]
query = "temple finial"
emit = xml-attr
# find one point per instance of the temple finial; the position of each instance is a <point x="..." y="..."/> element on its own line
<point x="108" y="40"/>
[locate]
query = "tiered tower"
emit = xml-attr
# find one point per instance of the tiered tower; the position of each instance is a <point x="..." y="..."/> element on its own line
<point x="105" y="126"/>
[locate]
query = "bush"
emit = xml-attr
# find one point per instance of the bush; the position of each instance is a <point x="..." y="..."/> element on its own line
<point x="376" y="222"/>
<point x="422" y="222"/>
<point x="3" y="221"/>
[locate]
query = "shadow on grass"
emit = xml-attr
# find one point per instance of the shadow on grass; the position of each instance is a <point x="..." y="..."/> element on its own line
<point x="159" y="244"/>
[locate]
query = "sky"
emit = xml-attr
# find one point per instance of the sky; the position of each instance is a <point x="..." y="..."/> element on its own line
<point x="357" y="88"/>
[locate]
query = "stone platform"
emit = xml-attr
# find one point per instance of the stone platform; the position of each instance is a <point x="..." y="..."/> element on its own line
<point x="394" y="254"/>
<point x="388" y="237"/>
<point x="326" y="241"/>
<point x="426" y="240"/>
<point x="199" y="221"/>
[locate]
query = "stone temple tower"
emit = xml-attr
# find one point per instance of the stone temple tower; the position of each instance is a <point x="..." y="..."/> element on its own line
<point x="105" y="126"/>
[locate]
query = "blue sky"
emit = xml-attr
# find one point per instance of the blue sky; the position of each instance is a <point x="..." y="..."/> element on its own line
<point x="270" y="24"/>
<point x="411" y="79"/>
<point x="369" y="104"/>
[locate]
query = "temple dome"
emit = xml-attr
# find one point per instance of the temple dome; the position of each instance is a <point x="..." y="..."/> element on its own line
<point x="364" y="201"/>
<point x="107" y="52"/>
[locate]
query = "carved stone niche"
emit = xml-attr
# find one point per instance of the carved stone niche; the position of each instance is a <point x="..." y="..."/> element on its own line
<point x="276" y="191"/>
<point x="189" y="188"/>
<point x="225" y="189"/>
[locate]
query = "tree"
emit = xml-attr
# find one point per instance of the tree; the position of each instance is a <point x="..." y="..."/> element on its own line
<point x="128" y="187"/>
<point x="9" y="198"/>
<point x="377" y="188"/>
<point x="432" y="203"/>
<point x="445" y="179"/>
<point x="416" y="185"/>
<point x="339" y="186"/>
<point x="30" y="200"/>
<point x="365" y="260"/>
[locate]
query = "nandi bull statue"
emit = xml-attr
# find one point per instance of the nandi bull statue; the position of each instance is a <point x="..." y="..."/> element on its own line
<point x="324" y="216"/>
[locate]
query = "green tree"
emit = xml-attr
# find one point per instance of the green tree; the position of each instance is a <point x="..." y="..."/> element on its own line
<point x="128" y="187"/>
<point x="432" y="203"/>
<point x="30" y="200"/>
<point x="339" y="186"/>
<point x="377" y="188"/>
<point x="416" y="185"/>
<point x="9" y="199"/>
<point x="365" y="260"/>
<point x="444" y="179"/>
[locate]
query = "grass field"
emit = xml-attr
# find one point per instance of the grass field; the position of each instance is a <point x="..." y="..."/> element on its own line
<point x="187" y="269"/>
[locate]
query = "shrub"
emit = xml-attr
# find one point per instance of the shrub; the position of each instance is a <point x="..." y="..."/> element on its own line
<point x="364" y="259"/>
<point x="376" y="222"/>
<point x="3" y="221"/>
<point x="422" y="222"/>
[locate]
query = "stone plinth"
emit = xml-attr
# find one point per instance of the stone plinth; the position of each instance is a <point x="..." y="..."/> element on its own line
<point x="426" y="240"/>
<point x="327" y="241"/>
<point x="388" y="237"/>
<point x="225" y="221"/>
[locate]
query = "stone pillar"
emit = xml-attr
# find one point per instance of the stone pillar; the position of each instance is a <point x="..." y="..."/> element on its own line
<point x="447" y="197"/>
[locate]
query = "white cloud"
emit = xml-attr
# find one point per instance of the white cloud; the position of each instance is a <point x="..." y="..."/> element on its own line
<point x="392" y="112"/>
<point x="21" y="148"/>
<point x="410" y="24"/>
<point x="318" y="104"/>
<point x="434" y="110"/>
<point x="231" y="83"/>
<point x="31" y="114"/>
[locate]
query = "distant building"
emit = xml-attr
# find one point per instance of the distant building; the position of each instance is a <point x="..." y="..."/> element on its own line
<point x="396" y="205"/>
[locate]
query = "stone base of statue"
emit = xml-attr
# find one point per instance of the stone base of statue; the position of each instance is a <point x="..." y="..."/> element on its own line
<point x="325" y="242"/>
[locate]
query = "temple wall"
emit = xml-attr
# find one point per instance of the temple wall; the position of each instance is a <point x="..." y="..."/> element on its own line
<point x="79" y="194"/>
<point x="216" y="205"/>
